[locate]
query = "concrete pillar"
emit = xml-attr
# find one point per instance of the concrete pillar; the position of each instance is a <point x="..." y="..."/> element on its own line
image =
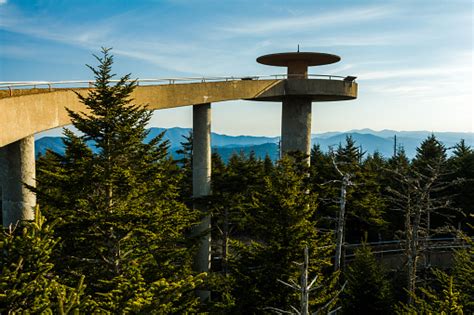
<point x="202" y="185"/>
<point x="296" y="115"/>
<point x="17" y="165"/>
<point x="296" y="125"/>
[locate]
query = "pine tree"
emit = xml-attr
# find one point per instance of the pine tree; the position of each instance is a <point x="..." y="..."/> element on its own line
<point x="118" y="197"/>
<point x="368" y="290"/>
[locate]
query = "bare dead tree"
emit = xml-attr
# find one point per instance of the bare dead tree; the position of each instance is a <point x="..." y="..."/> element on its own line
<point x="418" y="196"/>
<point x="341" y="220"/>
<point x="305" y="289"/>
<point x="345" y="182"/>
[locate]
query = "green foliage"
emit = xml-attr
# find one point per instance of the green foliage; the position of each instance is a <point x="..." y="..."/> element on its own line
<point x="461" y="167"/>
<point x="123" y="224"/>
<point x="133" y="295"/>
<point x="27" y="281"/>
<point x="463" y="273"/>
<point x="368" y="290"/>
<point x="445" y="301"/>
<point x="430" y="152"/>
<point x="281" y="219"/>
<point x="398" y="164"/>
<point x="122" y="245"/>
<point x="365" y="205"/>
<point x="186" y="168"/>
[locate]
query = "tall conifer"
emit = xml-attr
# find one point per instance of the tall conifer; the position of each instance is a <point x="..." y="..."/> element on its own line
<point x="123" y="224"/>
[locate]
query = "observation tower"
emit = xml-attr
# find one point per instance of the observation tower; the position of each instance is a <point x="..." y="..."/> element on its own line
<point x="300" y="90"/>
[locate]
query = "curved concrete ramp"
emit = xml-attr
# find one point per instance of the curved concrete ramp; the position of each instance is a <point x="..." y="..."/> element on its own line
<point x="27" y="114"/>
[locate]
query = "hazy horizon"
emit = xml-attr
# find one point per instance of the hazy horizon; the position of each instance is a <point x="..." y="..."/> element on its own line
<point x="58" y="132"/>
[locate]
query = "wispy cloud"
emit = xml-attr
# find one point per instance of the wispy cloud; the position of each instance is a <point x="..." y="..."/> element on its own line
<point x="430" y="73"/>
<point x="3" y="2"/>
<point x="306" y="22"/>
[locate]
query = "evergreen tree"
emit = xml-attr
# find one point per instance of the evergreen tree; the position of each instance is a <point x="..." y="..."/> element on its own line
<point x="186" y="167"/>
<point x="368" y="290"/>
<point x="463" y="272"/>
<point x="417" y="196"/>
<point x="398" y="164"/>
<point x="322" y="169"/>
<point x="461" y="167"/>
<point x="364" y="201"/>
<point x="122" y="218"/>
<point x="322" y="176"/>
<point x="27" y="281"/>
<point x="267" y="165"/>
<point x="349" y="156"/>
<point x="281" y="220"/>
<point x="430" y="152"/>
<point x="445" y="301"/>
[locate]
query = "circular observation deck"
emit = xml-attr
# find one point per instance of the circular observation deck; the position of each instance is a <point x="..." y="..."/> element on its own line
<point x="307" y="58"/>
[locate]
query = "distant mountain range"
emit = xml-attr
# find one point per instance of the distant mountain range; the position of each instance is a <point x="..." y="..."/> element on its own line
<point x="369" y="140"/>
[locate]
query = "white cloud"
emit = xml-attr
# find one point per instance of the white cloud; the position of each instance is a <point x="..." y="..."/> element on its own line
<point x="429" y="73"/>
<point x="3" y="2"/>
<point x="307" y="22"/>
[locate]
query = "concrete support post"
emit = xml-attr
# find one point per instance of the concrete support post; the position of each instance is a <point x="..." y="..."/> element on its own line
<point x="296" y="125"/>
<point x="202" y="185"/>
<point x="296" y="115"/>
<point x="17" y="166"/>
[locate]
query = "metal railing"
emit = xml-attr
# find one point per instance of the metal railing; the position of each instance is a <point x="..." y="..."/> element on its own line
<point x="397" y="246"/>
<point x="89" y="83"/>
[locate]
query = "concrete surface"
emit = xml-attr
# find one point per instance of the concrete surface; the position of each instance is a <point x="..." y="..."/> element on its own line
<point x="25" y="115"/>
<point x="17" y="166"/>
<point x="202" y="186"/>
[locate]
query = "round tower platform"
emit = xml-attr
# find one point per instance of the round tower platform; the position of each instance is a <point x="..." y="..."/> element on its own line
<point x="288" y="58"/>
<point x="299" y="92"/>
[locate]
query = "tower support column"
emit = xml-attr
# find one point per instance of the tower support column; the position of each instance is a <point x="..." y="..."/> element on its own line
<point x="296" y="125"/>
<point x="17" y="168"/>
<point x="202" y="185"/>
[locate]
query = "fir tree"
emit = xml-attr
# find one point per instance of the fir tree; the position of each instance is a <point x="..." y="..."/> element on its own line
<point x="461" y="166"/>
<point x="463" y="272"/>
<point x="364" y="201"/>
<point x="122" y="218"/>
<point x="398" y="164"/>
<point x="185" y="163"/>
<point x="368" y="290"/>
<point x="430" y="152"/>
<point x="417" y="196"/>
<point x="445" y="301"/>
<point x="431" y="159"/>
<point x="281" y="220"/>
<point x="28" y="283"/>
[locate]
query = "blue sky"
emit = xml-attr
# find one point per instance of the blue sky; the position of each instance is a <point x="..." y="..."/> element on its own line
<point x="413" y="59"/>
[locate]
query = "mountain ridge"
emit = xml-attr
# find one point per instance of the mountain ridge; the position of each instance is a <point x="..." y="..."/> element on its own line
<point x="370" y="141"/>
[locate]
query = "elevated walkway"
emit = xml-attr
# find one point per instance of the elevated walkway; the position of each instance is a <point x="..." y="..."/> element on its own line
<point x="31" y="107"/>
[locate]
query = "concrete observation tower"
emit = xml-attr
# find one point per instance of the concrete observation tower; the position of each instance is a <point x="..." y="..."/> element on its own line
<point x="27" y="110"/>
<point x="301" y="92"/>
